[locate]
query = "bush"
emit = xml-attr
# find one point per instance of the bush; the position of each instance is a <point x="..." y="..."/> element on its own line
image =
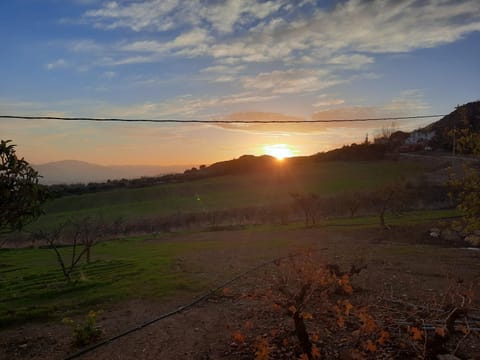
<point x="87" y="332"/>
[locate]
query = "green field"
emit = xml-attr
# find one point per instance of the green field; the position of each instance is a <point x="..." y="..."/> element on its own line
<point x="33" y="287"/>
<point x="227" y="192"/>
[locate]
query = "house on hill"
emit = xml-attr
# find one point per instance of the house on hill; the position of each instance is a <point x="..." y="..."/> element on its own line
<point x="419" y="137"/>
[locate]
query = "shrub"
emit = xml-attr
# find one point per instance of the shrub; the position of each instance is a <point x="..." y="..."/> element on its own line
<point x="87" y="332"/>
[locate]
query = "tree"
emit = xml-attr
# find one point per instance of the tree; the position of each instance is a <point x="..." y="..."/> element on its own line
<point x="80" y="236"/>
<point x="309" y="204"/>
<point x="391" y="197"/>
<point x="352" y="200"/>
<point x="21" y="196"/>
<point x="468" y="187"/>
<point x="89" y="232"/>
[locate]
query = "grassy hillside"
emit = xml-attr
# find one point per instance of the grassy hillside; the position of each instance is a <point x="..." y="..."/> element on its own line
<point x="230" y="191"/>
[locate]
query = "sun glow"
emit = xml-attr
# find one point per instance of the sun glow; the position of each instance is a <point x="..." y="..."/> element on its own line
<point x="278" y="151"/>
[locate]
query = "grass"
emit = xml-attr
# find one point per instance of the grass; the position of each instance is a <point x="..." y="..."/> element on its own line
<point x="408" y="218"/>
<point x="227" y="192"/>
<point x="32" y="285"/>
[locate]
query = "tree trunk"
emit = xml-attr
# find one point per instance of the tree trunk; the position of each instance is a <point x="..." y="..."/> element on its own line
<point x="382" y="217"/>
<point x="302" y="334"/>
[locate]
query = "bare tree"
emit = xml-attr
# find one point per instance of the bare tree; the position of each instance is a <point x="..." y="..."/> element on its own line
<point x="392" y="198"/>
<point x="88" y="231"/>
<point x="352" y="201"/>
<point x="79" y="236"/>
<point x="53" y="238"/>
<point x="308" y="204"/>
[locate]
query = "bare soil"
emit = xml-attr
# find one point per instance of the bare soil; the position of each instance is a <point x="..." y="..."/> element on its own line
<point x="401" y="267"/>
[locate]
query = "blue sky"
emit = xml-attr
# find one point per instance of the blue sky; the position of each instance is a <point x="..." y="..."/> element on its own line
<point x="246" y="60"/>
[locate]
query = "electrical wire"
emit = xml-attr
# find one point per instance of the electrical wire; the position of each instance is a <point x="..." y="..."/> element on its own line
<point x="198" y="121"/>
<point x="177" y="311"/>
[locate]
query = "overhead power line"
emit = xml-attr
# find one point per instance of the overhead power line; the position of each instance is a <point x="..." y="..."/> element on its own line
<point x="198" y="121"/>
<point x="180" y="309"/>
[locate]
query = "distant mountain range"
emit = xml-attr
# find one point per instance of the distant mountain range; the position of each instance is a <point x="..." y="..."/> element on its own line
<point x="73" y="171"/>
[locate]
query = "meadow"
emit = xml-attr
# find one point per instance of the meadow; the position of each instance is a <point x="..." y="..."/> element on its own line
<point x="230" y="191"/>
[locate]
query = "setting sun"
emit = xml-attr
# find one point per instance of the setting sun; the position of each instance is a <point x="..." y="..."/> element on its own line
<point x="279" y="151"/>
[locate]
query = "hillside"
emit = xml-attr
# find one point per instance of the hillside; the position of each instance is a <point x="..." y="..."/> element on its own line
<point x="466" y="116"/>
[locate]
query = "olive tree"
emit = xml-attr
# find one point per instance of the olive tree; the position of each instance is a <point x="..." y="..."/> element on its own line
<point x="21" y="196"/>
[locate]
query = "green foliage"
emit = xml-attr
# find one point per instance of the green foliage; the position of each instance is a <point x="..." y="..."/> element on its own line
<point x="468" y="187"/>
<point x="21" y="196"/>
<point x="468" y="142"/>
<point x="468" y="198"/>
<point x="87" y="332"/>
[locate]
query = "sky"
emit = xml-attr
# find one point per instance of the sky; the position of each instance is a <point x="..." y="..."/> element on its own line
<point x="227" y="59"/>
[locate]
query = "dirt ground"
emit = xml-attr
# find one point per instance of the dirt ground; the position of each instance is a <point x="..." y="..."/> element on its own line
<point x="401" y="269"/>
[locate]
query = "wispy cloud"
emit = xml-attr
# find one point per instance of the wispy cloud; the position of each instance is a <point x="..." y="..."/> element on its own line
<point x="291" y="81"/>
<point x="57" y="64"/>
<point x="163" y="15"/>
<point x="109" y="74"/>
<point x="378" y="26"/>
<point x="328" y="102"/>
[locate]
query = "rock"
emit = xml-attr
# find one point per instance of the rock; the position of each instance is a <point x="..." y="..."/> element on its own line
<point x="435" y="232"/>
<point x="473" y="239"/>
<point x="450" y="235"/>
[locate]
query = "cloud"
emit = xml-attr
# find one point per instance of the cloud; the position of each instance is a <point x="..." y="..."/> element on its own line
<point x="188" y="39"/>
<point x="265" y="128"/>
<point x="230" y="32"/>
<point x="291" y="81"/>
<point x="109" y="74"/>
<point x="86" y="45"/>
<point x="330" y="102"/>
<point x="354" y="61"/>
<point x="163" y="15"/>
<point x="223" y="69"/>
<point x="380" y="26"/>
<point x="57" y="64"/>
<point x="408" y="103"/>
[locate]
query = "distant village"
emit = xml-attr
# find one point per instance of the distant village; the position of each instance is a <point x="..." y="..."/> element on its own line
<point x="438" y="136"/>
<point x="400" y="141"/>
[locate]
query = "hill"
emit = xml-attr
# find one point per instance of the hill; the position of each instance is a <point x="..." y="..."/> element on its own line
<point x="73" y="171"/>
<point x="466" y="116"/>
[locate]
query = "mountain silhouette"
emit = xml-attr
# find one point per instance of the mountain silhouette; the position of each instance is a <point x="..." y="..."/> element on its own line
<point x="73" y="171"/>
